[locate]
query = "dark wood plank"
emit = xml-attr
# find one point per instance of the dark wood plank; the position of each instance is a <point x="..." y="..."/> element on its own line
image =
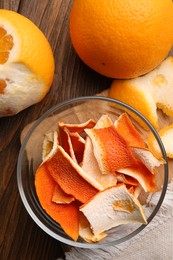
<point x="20" y="238"/>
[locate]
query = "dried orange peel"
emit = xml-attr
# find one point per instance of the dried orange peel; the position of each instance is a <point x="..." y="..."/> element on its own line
<point x="166" y="135"/>
<point x="94" y="169"/>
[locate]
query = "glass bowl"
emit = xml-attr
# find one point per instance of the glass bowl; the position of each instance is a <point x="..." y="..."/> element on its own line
<point x="76" y="111"/>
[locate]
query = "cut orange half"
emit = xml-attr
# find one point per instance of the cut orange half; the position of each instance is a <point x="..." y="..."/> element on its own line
<point x="26" y="61"/>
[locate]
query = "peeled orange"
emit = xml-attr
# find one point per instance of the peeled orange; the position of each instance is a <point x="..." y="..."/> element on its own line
<point x="26" y="63"/>
<point x="122" y="38"/>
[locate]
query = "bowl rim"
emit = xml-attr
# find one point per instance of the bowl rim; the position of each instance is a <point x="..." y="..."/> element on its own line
<point x="22" y="193"/>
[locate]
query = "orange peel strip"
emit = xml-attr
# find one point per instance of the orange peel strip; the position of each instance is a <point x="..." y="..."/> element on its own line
<point x="110" y="149"/>
<point x="77" y="128"/>
<point x="85" y="231"/>
<point x="66" y="143"/>
<point x="60" y="197"/>
<point x="67" y="215"/>
<point x="126" y="179"/>
<point x="129" y="132"/>
<point x="146" y="157"/>
<point x="140" y="172"/>
<point x="78" y="145"/>
<point x="112" y="206"/>
<point x="90" y="165"/>
<point x="70" y="176"/>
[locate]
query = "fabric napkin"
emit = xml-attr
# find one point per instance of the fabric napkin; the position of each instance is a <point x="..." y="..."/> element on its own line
<point x="154" y="242"/>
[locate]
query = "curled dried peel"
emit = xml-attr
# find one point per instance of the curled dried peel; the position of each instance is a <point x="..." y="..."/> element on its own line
<point x="85" y="231"/>
<point x="60" y="197"/>
<point x="140" y="172"/>
<point x="66" y="215"/>
<point x="126" y="179"/>
<point x="71" y="178"/>
<point x="128" y="131"/>
<point x="110" y="149"/>
<point x="77" y="128"/>
<point x="78" y="144"/>
<point x="112" y="206"/>
<point x="90" y="165"/>
<point x="50" y="143"/>
<point x="147" y="158"/>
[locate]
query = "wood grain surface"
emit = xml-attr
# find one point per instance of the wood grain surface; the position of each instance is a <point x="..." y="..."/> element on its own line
<point x="20" y="237"/>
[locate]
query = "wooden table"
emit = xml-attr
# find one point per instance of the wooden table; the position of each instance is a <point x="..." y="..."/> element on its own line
<point x="20" y="237"/>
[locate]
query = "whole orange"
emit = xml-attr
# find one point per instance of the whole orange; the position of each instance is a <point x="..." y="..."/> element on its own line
<point x="122" y="38"/>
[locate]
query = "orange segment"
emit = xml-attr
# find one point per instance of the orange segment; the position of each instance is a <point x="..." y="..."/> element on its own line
<point x="60" y="197"/>
<point x="2" y="86"/>
<point x="6" y="44"/>
<point x="110" y="149"/>
<point x="128" y="131"/>
<point x="140" y="172"/>
<point x="71" y="178"/>
<point x="27" y="63"/>
<point x="67" y="215"/>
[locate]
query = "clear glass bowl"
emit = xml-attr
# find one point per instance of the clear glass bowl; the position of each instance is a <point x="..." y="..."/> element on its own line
<point x="76" y="111"/>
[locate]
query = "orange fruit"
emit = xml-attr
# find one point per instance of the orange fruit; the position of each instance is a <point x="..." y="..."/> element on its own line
<point x="148" y="92"/>
<point x="122" y="39"/>
<point x="26" y="62"/>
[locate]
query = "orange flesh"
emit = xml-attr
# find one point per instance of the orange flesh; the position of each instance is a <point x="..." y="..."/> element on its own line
<point x="2" y="86"/>
<point x="67" y="215"/>
<point x="6" y="44"/>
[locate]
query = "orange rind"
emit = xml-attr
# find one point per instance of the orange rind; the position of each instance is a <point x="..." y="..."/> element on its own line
<point x="148" y="93"/>
<point x="140" y="172"/>
<point x="70" y="176"/>
<point x="128" y="131"/>
<point x="147" y="158"/>
<point x="85" y="230"/>
<point x="90" y="165"/>
<point x="100" y="167"/>
<point x="60" y="197"/>
<point x="77" y="128"/>
<point x="166" y="135"/>
<point x="67" y="215"/>
<point x="114" y="206"/>
<point x="110" y="149"/>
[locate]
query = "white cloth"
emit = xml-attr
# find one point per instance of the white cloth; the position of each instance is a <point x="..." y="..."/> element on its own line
<point x="154" y="242"/>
